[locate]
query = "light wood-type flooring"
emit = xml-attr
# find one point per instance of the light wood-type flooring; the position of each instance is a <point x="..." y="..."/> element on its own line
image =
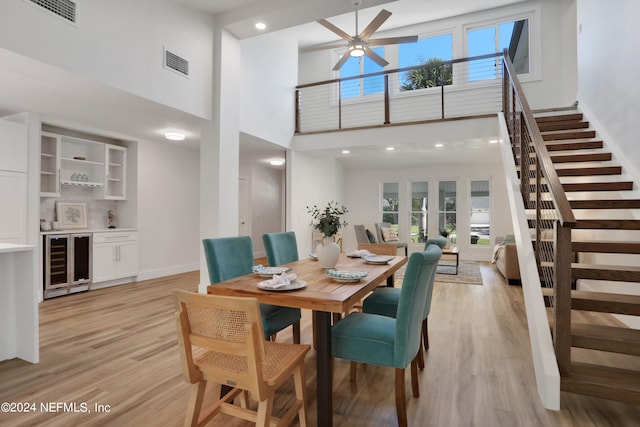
<point x="117" y="348"/>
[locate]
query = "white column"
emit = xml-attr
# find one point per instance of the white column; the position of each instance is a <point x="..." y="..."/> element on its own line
<point x="219" y="150"/>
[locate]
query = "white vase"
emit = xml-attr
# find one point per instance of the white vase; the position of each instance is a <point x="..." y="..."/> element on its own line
<point x="327" y="252"/>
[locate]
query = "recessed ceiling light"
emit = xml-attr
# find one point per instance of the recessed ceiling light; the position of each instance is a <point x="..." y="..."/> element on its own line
<point x="261" y="25"/>
<point x="174" y="136"/>
<point x="390" y="148"/>
<point x="345" y="151"/>
<point x="277" y="162"/>
<point x="493" y="141"/>
<point x="439" y="145"/>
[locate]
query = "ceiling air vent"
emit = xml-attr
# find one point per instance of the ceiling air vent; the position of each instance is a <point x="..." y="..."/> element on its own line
<point x="66" y="9"/>
<point x="176" y="63"/>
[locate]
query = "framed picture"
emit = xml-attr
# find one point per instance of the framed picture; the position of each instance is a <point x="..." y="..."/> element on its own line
<point x="71" y="215"/>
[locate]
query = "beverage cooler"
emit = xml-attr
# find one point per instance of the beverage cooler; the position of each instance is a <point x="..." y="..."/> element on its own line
<point x="66" y="263"/>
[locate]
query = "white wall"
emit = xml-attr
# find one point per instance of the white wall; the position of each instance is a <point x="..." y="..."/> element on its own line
<point x="552" y="83"/>
<point x="363" y="191"/>
<point x="608" y="67"/>
<point x="267" y="85"/>
<point x="168" y="209"/>
<point x="120" y="43"/>
<point x="310" y="181"/>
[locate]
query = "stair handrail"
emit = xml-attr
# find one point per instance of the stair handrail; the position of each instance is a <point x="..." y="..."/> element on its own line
<point x="563" y="221"/>
<point x="563" y="208"/>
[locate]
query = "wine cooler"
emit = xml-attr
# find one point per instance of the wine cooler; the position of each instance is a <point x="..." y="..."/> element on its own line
<point x="66" y="263"/>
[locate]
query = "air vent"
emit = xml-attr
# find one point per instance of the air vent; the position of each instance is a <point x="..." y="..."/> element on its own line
<point x="66" y="9"/>
<point x="176" y="63"/>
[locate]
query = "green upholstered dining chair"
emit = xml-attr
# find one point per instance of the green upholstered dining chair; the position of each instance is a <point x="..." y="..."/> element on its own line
<point x="386" y="341"/>
<point x="281" y="248"/>
<point x="384" y="301"/>
<point x="229" y="257"/>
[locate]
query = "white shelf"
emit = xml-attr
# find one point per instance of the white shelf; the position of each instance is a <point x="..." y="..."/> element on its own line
<point x="88" y="162"/>
<point x="82" y="183"/>
<point x="47" y="155"/>
<point x="47" y="173"/>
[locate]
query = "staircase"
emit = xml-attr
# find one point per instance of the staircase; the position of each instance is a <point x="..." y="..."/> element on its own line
<point x="606" y="252"/>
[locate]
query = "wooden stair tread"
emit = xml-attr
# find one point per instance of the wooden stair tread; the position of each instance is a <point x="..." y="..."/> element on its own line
<point x="602" y="302"/>
<point x="562" y="135"/>
<point x="586" y="171"/>
<point x="559" y="118"/>
<point x="611" y="247"/>
<point x="608" y="224"/>
<point x="574" y="158"/>
<point x="573" y="145"/>
<point x="602" y="381"/>
<point x="562" y="125"/>
<point x="605" y="204"/>
<point x="614" y="339"/>
<point x="598" y="186"/>
<point x="619" y="273"/>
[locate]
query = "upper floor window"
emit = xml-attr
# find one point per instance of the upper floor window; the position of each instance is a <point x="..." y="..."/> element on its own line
<point x="510" y="35"/>
<point x="430" y="52"/>
<point x="365" y="86"/>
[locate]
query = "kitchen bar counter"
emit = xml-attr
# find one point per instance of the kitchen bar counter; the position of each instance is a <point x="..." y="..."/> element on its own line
<point x="18" y="303"/>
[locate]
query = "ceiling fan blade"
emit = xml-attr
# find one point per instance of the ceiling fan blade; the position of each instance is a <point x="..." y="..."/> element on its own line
<point x="392" y="40"/>
<point x="323" y="47"/>
<point x="375" y="57"/>
<point x="375" y="24"/>
<point x="341" y="62"/>
<point x="329" y="26"/>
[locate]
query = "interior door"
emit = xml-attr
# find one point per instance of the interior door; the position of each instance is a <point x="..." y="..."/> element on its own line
<point x="244" y="209"/>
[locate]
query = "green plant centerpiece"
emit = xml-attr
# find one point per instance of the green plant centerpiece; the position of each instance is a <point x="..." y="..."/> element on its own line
<point x="327" y="221"/>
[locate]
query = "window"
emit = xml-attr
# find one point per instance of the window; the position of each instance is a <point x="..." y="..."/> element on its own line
<point x="480" y="212"/>
<point x="390" y="203"/>
<point x="419" y="211"/>
<point x="511" y="35"/>
<point x="430" y="51"/>
<point x="447" y="208"/>
<point x="357" y="66"/>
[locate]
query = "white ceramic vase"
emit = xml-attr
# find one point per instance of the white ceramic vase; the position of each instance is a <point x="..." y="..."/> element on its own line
<point x="327" y="252"/>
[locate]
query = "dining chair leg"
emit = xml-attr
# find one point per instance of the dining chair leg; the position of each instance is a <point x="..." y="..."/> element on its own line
<point x="401" y="404"/>
<point x="196" y="395"/>
<point x="425" y="335"/>
<point x="420" y="356"/>
<point x="296" y="332"/>
<point x="244" y="399"/>
<point x="352" y="371"/>
<point x="264" y="412"/>
<point x="414" y="377"/>
<point x="300" y="386"/>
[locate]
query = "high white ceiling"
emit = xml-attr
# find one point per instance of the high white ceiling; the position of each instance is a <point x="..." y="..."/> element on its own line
<point x="28" y="85"/>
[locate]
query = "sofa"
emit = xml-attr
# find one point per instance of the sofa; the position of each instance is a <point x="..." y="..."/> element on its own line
<point x="505" y="256"/>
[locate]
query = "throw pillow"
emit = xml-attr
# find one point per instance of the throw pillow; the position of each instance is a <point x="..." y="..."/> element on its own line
<point x="509" y="238"/>
<point x="389" y="235"/>
<point x="371" y="237"/>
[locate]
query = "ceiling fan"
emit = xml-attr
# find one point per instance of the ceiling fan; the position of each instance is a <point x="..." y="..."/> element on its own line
<point x="360" y="44"/>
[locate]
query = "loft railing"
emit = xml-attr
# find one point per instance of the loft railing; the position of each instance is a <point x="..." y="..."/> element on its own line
<point x="548" y="209"/>
<point x="440" y="90"/>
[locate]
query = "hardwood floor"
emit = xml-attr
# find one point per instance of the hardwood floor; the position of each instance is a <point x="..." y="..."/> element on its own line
<point x="118" y="347"/>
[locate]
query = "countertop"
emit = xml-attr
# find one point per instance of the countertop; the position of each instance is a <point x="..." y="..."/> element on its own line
<point x="12" y="247"/>
<point x="87" y="230"/>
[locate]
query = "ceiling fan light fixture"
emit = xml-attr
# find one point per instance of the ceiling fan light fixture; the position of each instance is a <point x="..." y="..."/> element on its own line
<point x="356" y="51"/>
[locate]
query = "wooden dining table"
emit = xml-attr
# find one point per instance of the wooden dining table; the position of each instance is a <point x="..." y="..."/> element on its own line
<point x="324" y="296"/>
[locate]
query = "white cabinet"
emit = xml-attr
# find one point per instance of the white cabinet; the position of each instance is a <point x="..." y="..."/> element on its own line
<point x="49" y="165"/>
<point x="115" y="255"/>
<point x="69" y="161"/>
<point x="115" y="172"/>
<point x="13" y="182"/>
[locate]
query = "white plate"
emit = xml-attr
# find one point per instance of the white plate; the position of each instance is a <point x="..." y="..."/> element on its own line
<point x="296" y="284"/>
<point x="270" y="271"/>
<point x="377" y="259"/>
<point x="313" y="256"/>
<point x="346" y="279"/>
